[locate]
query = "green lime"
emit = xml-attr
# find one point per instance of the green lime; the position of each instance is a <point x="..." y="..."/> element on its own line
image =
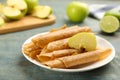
<point x="113" y="13"/>
<point x="109" y="24"/>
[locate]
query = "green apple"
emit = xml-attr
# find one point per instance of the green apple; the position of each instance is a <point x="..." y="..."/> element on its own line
<point x="83" y="40"/>
<point x="31" y="4"/>
<point x="42" y="11"/>
<point x="2" y="21"/>
<point x="16" y="9"/>
<point x="77" y="11"/>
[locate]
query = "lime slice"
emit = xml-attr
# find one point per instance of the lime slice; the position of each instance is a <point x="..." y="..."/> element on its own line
<point x="42" y="11"/>
<point x="113" y="13"/>
<point x="84" y="40"/>
<point x="109" y="24"/>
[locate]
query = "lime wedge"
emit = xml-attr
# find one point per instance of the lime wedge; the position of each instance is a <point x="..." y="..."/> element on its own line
<point x="83" y="40"/>
<point x="109" y="24"/>
<point x="113" y="13"/>
<point x="42" y="11"/>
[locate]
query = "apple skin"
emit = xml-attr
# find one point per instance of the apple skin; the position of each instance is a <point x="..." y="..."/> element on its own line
<point x="31" y="4"/>
<point x="77" y="11"/>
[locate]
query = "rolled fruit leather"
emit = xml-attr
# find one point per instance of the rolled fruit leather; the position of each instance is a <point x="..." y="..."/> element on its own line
<point x="78" y="59"/>
<point x="43" y="40"/>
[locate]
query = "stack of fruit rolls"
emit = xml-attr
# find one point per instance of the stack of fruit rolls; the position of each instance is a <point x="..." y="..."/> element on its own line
<point x="43" y="40"/>
<point x="56" y="40"/>
<point x="78" y="59"/>
<point x="31" y="49"/>
<point x="52" y="49"/>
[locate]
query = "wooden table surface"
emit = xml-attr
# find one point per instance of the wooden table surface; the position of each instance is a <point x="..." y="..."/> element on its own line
<point x="14" y="66"/>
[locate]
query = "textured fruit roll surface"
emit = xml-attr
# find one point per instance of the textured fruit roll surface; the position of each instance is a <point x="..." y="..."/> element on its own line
<point x="78" y="59"/>
<point x="43" y="40"/>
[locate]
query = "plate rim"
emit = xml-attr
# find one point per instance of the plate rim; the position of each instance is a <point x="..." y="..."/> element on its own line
<point x="111" y="56"/>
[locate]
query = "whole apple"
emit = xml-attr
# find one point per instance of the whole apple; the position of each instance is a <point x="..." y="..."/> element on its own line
<point x="77" y="11"/>
<point x="31" y="4"/>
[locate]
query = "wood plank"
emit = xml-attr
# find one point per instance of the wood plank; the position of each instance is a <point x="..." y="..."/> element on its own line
<point x="27" y="22"/>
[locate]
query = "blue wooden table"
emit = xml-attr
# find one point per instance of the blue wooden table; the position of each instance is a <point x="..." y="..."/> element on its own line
<point x="13" y="65"/>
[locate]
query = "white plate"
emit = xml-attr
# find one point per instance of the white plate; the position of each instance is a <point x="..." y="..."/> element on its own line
<point x="100" y="42"/>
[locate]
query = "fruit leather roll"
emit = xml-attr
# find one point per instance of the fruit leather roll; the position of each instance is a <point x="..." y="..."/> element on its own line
<point x="56" y="54"/>
<point x="33" y="54"/>
<point x="31" y="49"/>
<point x="43" y="40"/>
<point x="30" y="46"/>
<point x="78" y="59"/>
<point x="44" y="50"/>
<point x="58" y="45"/>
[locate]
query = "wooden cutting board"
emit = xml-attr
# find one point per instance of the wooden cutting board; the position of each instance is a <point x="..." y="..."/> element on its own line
<point x="28" y="22"/>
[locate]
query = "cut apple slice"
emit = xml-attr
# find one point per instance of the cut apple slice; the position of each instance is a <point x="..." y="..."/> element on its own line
<point x="1" y="8"/>
<point x="42" y="11"/>
<point x="18" y="4"/>
<point x="12" y="13"/>
<point x="2" y="21"/>
<point x="83" y="40"/>
<point x="16" y="9"/>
